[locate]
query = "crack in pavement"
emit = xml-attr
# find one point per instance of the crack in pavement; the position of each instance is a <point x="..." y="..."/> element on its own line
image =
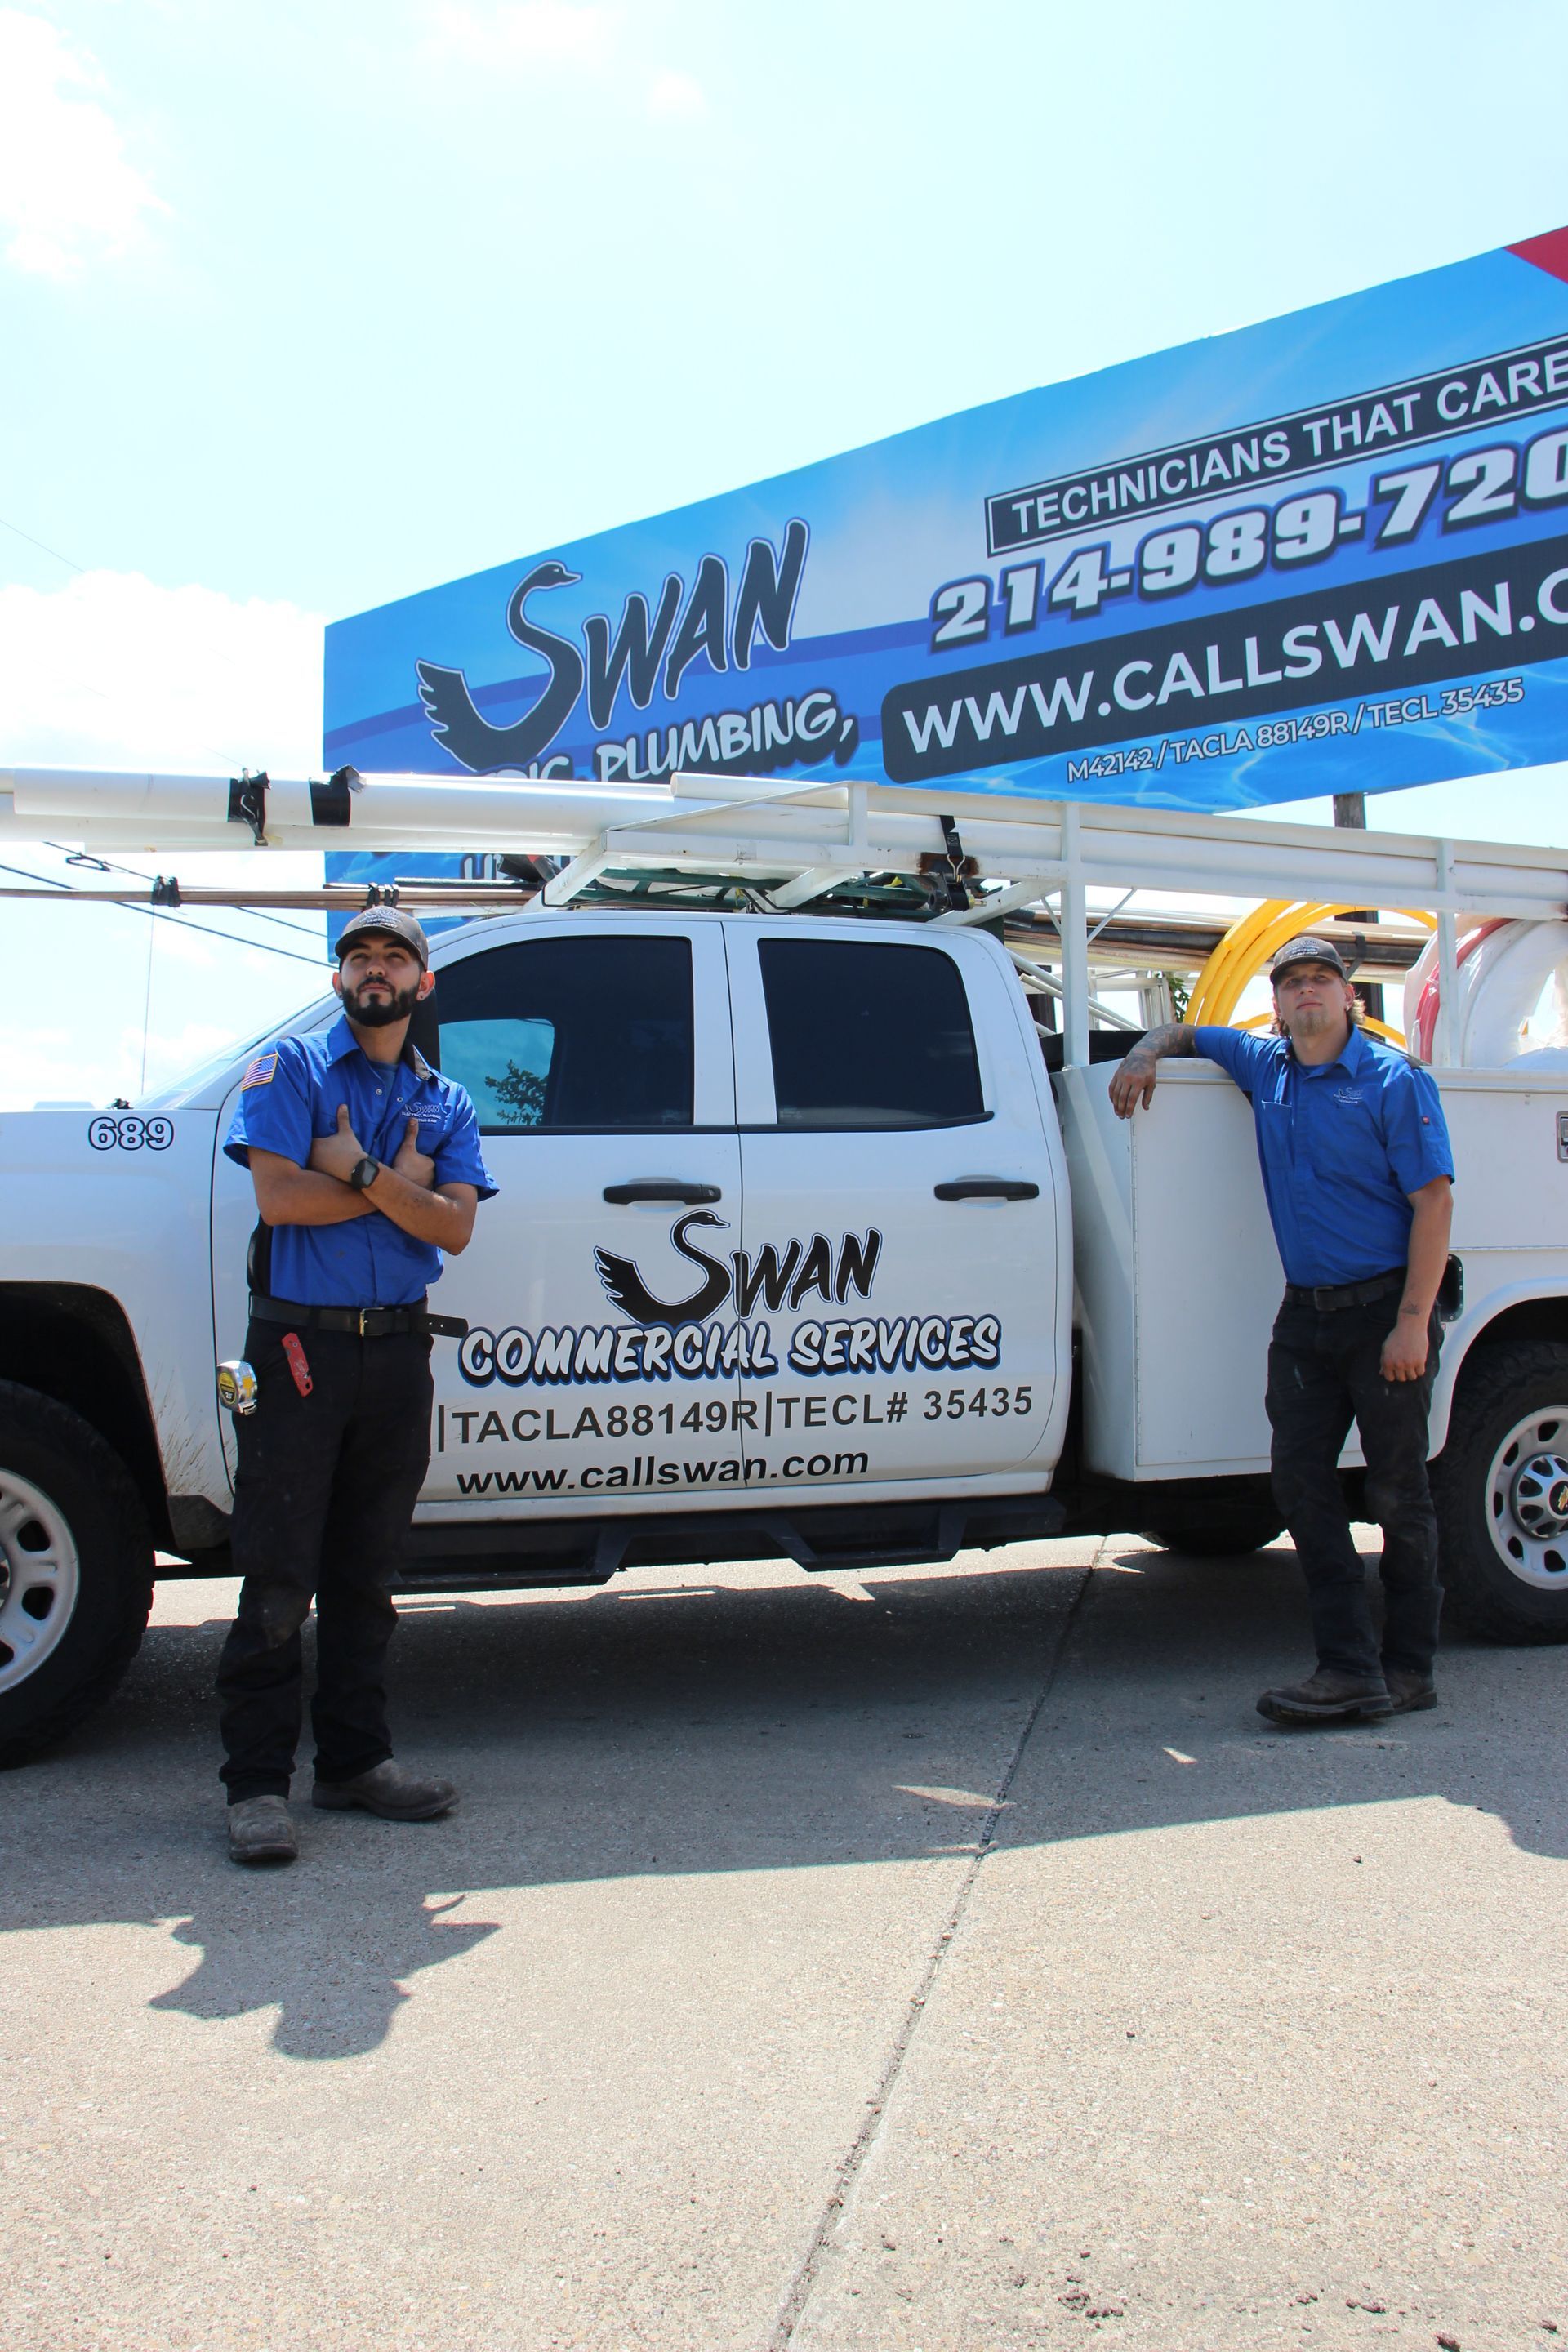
<point x="799" y="2296"/>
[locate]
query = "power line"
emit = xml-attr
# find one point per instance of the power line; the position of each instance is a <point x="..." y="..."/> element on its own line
<point x="43" y="545"/>
<point x="158" y="914"/>
<point x="106" y="865"/>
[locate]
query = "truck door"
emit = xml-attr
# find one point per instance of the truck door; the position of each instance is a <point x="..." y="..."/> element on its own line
<point x="598" y="1361"/>
<point x="899" y="1236"/>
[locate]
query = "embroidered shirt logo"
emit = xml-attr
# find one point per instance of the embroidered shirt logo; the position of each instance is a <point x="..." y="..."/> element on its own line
<point x="261" y="1072"/>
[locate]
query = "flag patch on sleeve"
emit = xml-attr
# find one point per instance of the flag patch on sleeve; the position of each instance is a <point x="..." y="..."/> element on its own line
<point x="260" y="1073"/>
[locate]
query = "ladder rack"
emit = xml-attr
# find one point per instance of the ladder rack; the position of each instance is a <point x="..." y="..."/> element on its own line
<point x="797" y="840"/>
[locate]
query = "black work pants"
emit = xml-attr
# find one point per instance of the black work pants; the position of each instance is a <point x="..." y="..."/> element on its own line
<point x="324" y="1496"/>
<point x="1324" y="1372"/>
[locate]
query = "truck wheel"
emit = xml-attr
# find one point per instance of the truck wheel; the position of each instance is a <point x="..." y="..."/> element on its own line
<point x="1220" y="1539"/>
<point x="75" y="1570"/>
<point x="1500" y="1486"/>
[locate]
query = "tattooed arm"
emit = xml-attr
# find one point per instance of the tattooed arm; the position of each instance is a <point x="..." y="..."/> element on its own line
<point x="1133" y="1088"/>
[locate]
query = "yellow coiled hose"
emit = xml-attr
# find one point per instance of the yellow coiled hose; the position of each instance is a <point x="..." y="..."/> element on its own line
<point x="1247" y="946"/>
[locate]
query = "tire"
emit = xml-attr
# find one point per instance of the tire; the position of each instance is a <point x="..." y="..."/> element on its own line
<point x="1501" y="1487"/>
<point x="1220" y="1539"/>
<point x="75" y="1570"/>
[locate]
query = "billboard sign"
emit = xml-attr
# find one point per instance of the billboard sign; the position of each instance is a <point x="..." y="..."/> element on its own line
<point x="1329" y="553"/>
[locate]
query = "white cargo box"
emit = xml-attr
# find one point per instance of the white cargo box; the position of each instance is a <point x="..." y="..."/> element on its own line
<point x="1178" y="1278"/>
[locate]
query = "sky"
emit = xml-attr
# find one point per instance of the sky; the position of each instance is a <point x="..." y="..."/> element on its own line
<point x="306" y="307"/>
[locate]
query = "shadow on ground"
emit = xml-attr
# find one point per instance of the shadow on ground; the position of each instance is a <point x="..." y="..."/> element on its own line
<point x="643" y="1731"/>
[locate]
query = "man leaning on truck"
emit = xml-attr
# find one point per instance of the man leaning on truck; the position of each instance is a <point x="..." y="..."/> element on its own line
<point x="1359" y="1176"/>
<point x="367" y="1165"/>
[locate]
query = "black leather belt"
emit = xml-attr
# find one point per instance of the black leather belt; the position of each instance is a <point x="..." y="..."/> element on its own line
<point x="1329" y="1297"/>
<point x="364" y="1322"/>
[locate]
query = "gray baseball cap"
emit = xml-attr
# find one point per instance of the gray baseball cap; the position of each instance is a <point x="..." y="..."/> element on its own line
<point x="1307" y="948"/>
<point x="387" y="923"/>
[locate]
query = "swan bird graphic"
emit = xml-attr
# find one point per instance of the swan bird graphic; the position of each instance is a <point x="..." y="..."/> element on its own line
<point x="626" y="1289"/>
<point x="456" y="723"/>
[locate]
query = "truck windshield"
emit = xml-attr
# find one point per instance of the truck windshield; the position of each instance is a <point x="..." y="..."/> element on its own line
<point x="211" y="1072"/>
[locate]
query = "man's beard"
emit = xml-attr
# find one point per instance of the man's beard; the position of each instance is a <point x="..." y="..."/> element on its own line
<point x="381" y="1012"/>
<point x="1313" y="1020"/>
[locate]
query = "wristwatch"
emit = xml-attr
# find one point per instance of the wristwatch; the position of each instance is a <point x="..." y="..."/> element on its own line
<point x="363" y="1173"/>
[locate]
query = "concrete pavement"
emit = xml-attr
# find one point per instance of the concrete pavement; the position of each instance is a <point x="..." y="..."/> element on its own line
<point x="947" y="1960"/>
<point x="1246" y="2038"/>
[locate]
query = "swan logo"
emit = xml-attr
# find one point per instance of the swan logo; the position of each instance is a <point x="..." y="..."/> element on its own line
<point x="649" y="651"/>
<point x="776" y="1280"/>
<point x="455" y="719"/>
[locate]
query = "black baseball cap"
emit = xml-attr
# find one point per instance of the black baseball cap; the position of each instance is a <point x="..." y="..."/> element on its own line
<point x="387" y="923"/>
<point x="1308" y="949"/>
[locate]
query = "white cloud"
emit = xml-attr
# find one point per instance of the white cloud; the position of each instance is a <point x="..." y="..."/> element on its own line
<point x="525" y="32"/>
<point x="68" y="196"/>
<point x="74" y="1031"/>
<point x="65" y="1064"/>
<point x="57" y="1065"/>
<point x="115" y="672"/>
<point x="536" y="37"/>
<point x="675" y="98"/>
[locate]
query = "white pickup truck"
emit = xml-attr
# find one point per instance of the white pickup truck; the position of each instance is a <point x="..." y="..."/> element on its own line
<point x="798" y="1249"/>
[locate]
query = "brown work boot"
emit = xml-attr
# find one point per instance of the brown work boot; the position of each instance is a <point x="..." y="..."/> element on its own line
<point x="1410" y="1691"/>
<point x="389" y="1791"/>
<point x="1327" y="1696"/>
<point x="260" y="1830"/>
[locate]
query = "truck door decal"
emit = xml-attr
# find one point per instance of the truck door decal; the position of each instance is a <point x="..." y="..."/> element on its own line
<point x="667" y="1340"/>
<point x="794" y="1276"/>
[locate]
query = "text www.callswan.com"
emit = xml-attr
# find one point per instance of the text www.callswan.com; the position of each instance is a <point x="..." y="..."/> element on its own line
<point x="645" y="1472"/>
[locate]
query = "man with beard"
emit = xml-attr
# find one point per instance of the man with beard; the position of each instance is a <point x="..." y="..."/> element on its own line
<point x="1359" y="1177"/>
<point x="367" y="1166"/>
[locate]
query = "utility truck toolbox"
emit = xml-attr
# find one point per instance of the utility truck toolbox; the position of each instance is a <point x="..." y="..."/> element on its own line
<point x="801" y="1246"/>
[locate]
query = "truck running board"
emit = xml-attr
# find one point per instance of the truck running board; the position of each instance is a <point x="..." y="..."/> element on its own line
<point x="847" y="1538"/>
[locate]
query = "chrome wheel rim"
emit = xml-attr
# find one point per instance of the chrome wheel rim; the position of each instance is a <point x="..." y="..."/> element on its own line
<point x="40" y="1578"/>
<point x="1527" y="1500"/>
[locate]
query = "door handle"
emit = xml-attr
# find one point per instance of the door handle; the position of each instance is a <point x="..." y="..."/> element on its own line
<point x="661" y="1188"/>
<point x="988" y="1187"/>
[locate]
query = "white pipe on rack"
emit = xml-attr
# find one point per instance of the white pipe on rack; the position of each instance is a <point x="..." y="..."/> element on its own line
<point x="765" y="829"/>
<point x="1445" y="1039"/>
<point x="1075" y="945"/>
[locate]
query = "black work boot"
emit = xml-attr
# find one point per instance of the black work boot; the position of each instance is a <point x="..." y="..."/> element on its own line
<point x="1410" y="1691"/>
<point x="260" y="1831"/>
<point x="388" y="1789"/>
<point x="1327" y="1696"/>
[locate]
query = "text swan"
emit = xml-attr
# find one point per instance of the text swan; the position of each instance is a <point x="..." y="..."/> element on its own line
<point x="485" y="750"/>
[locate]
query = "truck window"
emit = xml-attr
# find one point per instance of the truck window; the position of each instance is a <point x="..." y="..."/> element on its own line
<point x="588" y="1032"/>
<point x="868" y="1034"/>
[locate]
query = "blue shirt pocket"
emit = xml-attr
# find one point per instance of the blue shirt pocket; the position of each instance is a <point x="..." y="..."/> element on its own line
<point x="1349" y="1137"/>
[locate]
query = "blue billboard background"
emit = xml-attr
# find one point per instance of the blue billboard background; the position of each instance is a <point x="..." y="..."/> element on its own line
<point x="1328" y="553"/>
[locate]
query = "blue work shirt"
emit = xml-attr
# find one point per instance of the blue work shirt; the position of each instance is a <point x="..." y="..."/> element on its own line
<point x="290" y="1096"/>
<point x="1341" y="1146"/>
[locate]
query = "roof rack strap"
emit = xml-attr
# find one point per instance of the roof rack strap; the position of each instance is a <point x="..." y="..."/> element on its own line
<point x="957" y="890"/>
<point x="247" y="804"/>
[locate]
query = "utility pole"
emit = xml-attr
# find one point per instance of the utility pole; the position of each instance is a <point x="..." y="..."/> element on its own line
<point x="1350" y="812"/>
